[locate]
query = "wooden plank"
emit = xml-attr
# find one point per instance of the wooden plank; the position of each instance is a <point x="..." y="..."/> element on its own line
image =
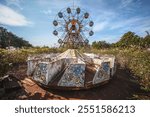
<point x="28" y="82"/>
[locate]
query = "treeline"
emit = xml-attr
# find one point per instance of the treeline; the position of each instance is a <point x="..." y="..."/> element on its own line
<point x="129" y="39"/>
<point x="8" y="39"/>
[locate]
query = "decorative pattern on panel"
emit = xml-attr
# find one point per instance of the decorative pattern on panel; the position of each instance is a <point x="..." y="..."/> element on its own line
<point x="103" y="73"/>
<point x="40" y="73"/>
<point x="74" y="76"/>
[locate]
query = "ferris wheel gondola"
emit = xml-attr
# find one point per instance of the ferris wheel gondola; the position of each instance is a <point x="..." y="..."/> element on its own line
<point x="73" y="26"/>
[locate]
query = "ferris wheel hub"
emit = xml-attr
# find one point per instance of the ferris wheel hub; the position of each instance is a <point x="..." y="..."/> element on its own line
<point x="73" y="26"/>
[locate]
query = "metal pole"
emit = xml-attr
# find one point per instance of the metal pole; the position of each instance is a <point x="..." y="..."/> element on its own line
<point x="0" y="38"/>
<point x="73" y="4"/>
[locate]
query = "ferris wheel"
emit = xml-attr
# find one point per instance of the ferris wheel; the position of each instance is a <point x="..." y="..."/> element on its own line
<point x="73" y="26"/>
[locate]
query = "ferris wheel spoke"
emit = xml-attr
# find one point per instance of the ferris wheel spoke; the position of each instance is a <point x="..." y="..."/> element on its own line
<point x="69" y="16"/>
<point x="75" y="14"/>
<point x="81" y="17"/>
<point x="65" y="18"/>
<point x="61" y="23"/>
<point x="63" y="35"/>
<point x="60" y="29"/>
<point x="85" y="23"/>
<point x="83" y="35"/>
<point x="86" y="29"/>
<point x="73" y="27"/>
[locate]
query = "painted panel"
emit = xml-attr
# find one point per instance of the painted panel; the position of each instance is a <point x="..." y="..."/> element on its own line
<point x="103" y="73"/>
<point x="74" y="76"/>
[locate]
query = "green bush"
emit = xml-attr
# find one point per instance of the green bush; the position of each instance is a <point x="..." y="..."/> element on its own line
<point x="134" y="59"/>
<point x="9" y="58"/>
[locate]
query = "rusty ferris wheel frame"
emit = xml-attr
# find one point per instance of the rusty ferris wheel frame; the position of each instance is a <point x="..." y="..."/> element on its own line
<point x="73" y="26"/>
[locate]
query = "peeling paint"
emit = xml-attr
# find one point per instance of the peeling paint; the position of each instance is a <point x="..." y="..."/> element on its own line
<point x="68" y="69"/>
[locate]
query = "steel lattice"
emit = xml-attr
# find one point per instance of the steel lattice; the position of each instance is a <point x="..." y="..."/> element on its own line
<point x="73" y="26"/>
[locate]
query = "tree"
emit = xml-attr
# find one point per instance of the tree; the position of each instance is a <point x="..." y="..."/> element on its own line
<point x="146" y="42"/>
<point x="9" y="39"/>
<point x="129" y="39"/>
<point x="100" y="44"/>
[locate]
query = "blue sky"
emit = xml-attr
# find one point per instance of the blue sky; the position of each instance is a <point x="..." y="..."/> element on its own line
<point x="32" y="19"/>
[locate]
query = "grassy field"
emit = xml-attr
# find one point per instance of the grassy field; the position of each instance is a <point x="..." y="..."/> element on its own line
<point x="10" y="58"/>
<point x="136" y="61"/>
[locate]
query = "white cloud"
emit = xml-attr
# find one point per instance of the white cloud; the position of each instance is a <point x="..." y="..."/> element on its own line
<point x="41" y="40"/>
<point x="58" y="4"/>
<point x="110" y="38"/>
<point x="130" y="6"/>
<point x="47" y="12"/>
<point x="10" y="17"/>
<point x="131" y="23"/>
<point x="98" y="26"/>
<point x="105" y="15"/>
<point x="136" y="24"/>
<point x="124" y="23"/>
<point x="103" y="19"/>
<point x="126" y="3"/>
<point x="16" y="3"/>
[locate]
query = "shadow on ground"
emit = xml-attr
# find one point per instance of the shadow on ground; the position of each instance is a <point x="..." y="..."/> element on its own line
<point x="123" y="86"/>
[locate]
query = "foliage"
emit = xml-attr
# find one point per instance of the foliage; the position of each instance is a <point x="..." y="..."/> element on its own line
<point x="9" y="39"/>
<point x="146" y="42"/>
<point x="9" y="58"/>
<point x="136" y="60"/>
<point x="129" y="39"/>
<point x="100" y="44"/>
<point x="127" y="51"/>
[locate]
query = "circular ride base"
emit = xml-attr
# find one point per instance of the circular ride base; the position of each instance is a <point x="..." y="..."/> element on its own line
<point x="71" y="70"/>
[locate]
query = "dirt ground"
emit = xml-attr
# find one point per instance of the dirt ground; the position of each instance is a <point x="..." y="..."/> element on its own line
<point x="122" y="86"/>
